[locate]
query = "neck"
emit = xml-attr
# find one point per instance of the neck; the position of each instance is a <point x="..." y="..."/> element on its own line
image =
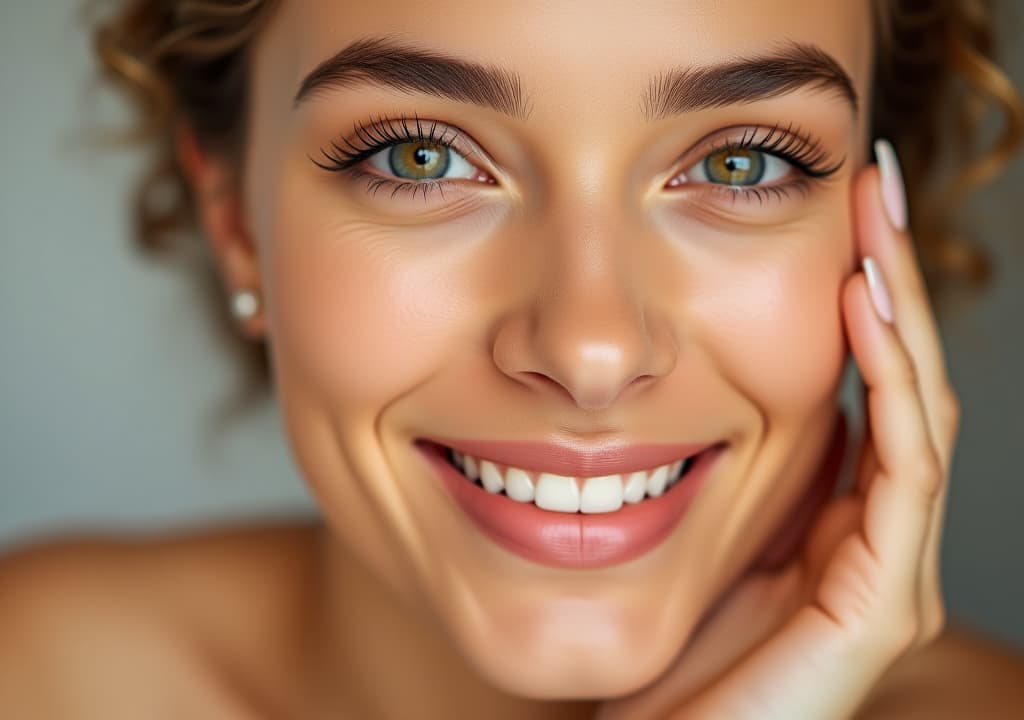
<point x="373" y="654"/>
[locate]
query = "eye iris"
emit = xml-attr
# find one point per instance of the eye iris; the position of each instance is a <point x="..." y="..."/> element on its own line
<point x="735" y="166"/>
<point x="416" y="161"/>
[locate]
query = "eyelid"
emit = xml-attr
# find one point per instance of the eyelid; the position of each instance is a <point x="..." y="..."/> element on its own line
<point x="381" y="133"/>
<point x="808" y="162"/>
<point x="800" y="150"/>
<point x="790" y="143"/>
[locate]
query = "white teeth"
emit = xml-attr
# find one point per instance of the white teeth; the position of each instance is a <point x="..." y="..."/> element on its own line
<point x="636" y="487"/>
<point x="560" y="493"/>
<point x="519" y="486"/>
<point x="601" y="494"/>
<point x="471" y="467"/>
<point x="557" y="492"/>
<point x="656" y="482"/>
<point x="490" y="476"/>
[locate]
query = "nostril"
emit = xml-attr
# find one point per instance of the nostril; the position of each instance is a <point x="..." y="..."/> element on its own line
<point x="543" y="381"/>
<point x="592" y="345"/>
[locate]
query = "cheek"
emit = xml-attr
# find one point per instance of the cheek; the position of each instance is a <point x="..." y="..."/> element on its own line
<point x="363" y="308"/>
<point x="352" y="313"/>
<point x="776" y="330"/>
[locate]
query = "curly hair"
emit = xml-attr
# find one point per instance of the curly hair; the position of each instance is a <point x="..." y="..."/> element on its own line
<point x="935" y="84"/>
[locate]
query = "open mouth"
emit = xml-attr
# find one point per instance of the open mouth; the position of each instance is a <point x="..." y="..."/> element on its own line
<point x="561" y="493"/>
<point x="588" y="521"/>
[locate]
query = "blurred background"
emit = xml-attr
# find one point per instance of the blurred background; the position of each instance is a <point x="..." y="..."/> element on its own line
<point x="109" y="373"/>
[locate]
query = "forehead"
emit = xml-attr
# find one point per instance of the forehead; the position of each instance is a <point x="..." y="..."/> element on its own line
<point x="568" y="52"/>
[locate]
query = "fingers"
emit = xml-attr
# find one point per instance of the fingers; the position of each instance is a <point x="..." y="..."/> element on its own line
<point x="900" y="500"/>
<point x="892" y="248"/>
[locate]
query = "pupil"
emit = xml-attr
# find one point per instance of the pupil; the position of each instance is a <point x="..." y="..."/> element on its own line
<point x="737" y="164"/>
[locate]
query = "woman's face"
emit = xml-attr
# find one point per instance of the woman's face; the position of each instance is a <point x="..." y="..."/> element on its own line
<point x="640" y="239"/>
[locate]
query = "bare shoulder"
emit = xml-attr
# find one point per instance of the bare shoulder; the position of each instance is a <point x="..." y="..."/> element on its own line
<point x="963" y="674"/>
<point x="132" y="627"/>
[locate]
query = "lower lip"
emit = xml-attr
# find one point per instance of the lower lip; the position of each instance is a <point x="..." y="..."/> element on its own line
<point x="567" y="540"/>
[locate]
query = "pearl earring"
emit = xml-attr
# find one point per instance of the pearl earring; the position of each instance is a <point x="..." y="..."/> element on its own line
<point x="244" y="304"/>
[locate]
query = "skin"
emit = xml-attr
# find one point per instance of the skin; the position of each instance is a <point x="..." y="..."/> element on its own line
<point x="576" y="296"/>
<point x="594" y="303"/>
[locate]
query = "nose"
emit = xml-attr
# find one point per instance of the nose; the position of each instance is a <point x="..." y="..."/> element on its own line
<point x="590" y="330"/>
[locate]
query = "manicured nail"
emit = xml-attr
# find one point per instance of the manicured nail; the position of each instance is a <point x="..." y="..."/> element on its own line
<point x="893" y="195"/>
<point x="877" y="290"/>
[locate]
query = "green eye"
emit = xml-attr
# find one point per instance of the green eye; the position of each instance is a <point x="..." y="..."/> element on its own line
<point x="419" y="160"/>
<point x="735" y="166"/>
<point x="422" y="160"/>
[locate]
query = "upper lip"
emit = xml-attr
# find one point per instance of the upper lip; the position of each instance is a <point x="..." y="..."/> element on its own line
<point x="575" y="458"/>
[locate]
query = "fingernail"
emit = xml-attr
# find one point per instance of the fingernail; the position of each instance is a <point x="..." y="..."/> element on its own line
<point x="893" y="195"/>
<point x="877" y="290"/>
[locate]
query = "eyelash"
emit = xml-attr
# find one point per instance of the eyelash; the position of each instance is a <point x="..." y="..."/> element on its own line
<point x="380" y="134"/>
<point x="790" y="144"/>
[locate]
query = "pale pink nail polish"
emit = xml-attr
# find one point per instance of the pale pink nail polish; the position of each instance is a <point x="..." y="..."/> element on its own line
<point x="877" y="289"/>
<point x="893" y="194"/>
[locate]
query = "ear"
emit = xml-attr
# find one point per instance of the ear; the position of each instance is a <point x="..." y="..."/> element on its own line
<point x="219" y="210"/>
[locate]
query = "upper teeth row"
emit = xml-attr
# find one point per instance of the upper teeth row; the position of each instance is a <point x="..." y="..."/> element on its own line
<point x="563" y="494"/>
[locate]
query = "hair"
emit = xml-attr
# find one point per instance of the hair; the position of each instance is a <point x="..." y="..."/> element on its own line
<point x="936" y="89"/>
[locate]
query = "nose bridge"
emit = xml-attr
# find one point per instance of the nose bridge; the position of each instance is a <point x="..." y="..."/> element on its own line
<point x="589" y="286"/>
<point x="590" y="326"/>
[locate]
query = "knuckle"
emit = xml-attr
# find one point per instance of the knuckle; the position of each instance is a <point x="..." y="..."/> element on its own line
<point x="905" y="370"/>
<point x="927" y="473"/>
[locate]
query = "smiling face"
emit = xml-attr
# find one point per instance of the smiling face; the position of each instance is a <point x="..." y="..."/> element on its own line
<point x="639" y="239"/>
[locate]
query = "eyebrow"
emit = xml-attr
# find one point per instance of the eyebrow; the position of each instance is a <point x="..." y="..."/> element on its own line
<point x="792" y="67"/>
<point x="407" y="68"/>
<point x="383" y="61"/>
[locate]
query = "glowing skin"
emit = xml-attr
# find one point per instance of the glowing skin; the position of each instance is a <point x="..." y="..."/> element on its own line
<point x="578" y="295"/>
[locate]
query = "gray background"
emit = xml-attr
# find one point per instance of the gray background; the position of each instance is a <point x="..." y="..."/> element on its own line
<point x="108" y="372"/>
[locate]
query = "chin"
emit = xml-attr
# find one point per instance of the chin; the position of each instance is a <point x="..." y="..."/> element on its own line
<point x="572" y="648"/>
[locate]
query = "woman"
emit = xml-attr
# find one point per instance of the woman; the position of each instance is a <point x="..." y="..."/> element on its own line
<point x="557" y="304"/>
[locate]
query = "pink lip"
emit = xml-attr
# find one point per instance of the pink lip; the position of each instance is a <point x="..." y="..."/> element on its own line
<point x="575" y="460"/>
<point x="576" y="541"/>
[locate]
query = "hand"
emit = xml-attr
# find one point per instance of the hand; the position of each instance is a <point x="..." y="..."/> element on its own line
<point x="810" y="640"/>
